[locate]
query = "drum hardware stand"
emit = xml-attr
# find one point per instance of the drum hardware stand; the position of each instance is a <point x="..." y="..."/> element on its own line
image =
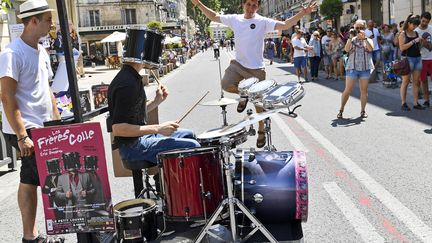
<point x="232" y="201"/>
<point x="252" y="131"/>
<point x="148" y="187"/>
<point x="270" y="146"/>
<point x="224" y="113"/>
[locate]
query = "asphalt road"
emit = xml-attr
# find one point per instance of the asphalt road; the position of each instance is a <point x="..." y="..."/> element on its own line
<point x="369" y="179"/>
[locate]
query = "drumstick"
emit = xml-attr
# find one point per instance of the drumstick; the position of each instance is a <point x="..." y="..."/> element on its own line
<point x="187" y="113"/>
<point x="154" y="75"/>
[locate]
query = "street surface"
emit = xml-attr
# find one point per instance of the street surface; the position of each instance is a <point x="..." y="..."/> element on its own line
<point x="369" y="179"/>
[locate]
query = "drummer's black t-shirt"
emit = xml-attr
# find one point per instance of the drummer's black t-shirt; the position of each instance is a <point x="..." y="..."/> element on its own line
<point x="127" y="100"/>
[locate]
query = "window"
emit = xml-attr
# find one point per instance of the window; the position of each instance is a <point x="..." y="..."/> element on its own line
<point x="128" y="16"/>
<point x="94" y="18"/>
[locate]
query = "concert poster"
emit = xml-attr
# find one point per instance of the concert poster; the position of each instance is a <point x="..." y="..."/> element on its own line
<point x="100" y="95"/>
<point x="74" y="179"/>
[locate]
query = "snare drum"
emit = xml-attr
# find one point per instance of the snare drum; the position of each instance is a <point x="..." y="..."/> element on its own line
<point x="192" y="185"/>
<point x="245" y="84"/>
<point x="143" y="46"/>
<point x="283" y="96"/>
<point x="136" y="220"/>
<point x="256" y="91"/>
<point x="213" y="137"/>
<point x="274" y="185"/>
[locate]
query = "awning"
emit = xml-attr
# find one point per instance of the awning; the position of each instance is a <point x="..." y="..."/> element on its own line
<point x="115" y="37"/>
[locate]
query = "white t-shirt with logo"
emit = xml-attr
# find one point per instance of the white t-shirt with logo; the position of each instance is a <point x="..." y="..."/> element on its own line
<point x="299" y="43"/>
<point x="325" y="43"/>
<point x="249" y="37"/>
<point x="375" y="34"/>
<point x="425" y="53"/>
<point x="31" y="69"/>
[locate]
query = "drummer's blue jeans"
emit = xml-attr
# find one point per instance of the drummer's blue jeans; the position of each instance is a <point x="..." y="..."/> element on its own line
<point x="147" y="147"/>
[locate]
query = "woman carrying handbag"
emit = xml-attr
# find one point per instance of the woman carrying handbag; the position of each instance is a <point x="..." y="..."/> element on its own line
<point x="409" y="44"/>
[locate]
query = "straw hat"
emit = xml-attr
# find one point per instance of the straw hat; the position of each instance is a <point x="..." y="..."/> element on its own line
<point x="33" y="7"/>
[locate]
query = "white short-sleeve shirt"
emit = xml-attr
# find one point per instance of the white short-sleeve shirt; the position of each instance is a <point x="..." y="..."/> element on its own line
<point x="425" y="53"/>
<point x="31" y="69"/>
<point x="249" y="37"/>
<point x="374" y="36"/>
<point x="299" y="43"/>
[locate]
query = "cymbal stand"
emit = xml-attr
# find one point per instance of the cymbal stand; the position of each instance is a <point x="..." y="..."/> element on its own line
<point x="224" y="114"/>
<point x="270" y="146"/>
<point x="231" y="201"/>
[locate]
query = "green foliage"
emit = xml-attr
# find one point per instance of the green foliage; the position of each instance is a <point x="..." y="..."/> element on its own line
<point x="229" y="33"/>
<point x="231" y="6"/>
<point x="172" y="46"/>
<point x="210" y="33"/>
<point x="5" y="5"/>
<point x="154" y="25"/>
<point x="332" y="9"/>
<point x="200" y="19"/>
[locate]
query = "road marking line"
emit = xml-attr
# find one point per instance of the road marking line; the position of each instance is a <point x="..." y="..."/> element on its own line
<point x="412" y="222"/>
<point x="365" y="229"/>
<point x="289" y="134"/>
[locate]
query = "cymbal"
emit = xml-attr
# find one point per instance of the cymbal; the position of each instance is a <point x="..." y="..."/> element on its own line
<point x="220" y="102"/>
<point x="249" y="120"/>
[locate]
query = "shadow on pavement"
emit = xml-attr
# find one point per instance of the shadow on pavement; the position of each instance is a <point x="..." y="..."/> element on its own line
<point x="347" y="122"/>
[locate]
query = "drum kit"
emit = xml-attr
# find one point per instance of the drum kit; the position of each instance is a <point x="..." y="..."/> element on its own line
<point x="205" y="183"/>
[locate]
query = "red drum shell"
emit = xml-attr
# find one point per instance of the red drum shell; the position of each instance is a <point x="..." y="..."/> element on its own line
<point x="181" y="182"/>
<point x="275" y="184"/>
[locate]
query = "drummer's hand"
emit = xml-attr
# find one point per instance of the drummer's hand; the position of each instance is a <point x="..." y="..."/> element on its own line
<point x="168" y="128"/>
<point x="161" y="94"/>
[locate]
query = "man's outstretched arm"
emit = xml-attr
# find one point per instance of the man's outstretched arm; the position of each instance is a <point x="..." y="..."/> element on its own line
<point x="209" y="13"/>
<point x="293" y="20"/>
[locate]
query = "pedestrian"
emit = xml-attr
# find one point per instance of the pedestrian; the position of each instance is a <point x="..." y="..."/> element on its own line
<point x="335" y="48"/>
<point x="216" y="51"/>
<point x="28" y="102"/>
<point x="249" y="33"/>
<point x="284" y="47"/>
<point x="409" y="44"/>
<point x="374" y="34"/>
<point x="300" y="50"/>
<point x="271" y="50"/>
<point x="387" y="44"/>
<point x="315" y="54"/>
<point x="425" y="31"/>
<point x="326" y="57"/>
<point x="358" y="67"/>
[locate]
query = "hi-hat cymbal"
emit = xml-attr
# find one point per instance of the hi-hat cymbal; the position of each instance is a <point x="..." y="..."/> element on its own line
<point x="249" y="120"/>
<point x="220" y="102"/>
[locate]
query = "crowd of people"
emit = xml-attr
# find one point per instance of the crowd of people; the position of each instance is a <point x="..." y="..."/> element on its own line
<point x="339" y="53"/>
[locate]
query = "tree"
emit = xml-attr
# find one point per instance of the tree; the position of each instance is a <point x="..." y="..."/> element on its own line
<point x="332" y="9"/>
<point x="200" y="19"/>
<point x="5" y="5"/>
<point x="229" y="33"/>
<point x="231" y="6"/>
<point x="154" y="25"/>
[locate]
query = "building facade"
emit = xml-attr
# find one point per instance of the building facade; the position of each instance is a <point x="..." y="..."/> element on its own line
<point x="218" y="30"/>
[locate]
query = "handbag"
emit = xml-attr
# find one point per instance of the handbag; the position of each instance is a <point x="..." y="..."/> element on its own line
<point x="401" y="67"/>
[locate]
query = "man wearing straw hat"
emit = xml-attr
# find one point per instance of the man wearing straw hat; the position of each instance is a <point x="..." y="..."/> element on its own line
<point x="27" y="102"/>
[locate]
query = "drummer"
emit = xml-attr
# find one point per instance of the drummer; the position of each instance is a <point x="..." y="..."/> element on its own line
<point x="128" y="107"/>
<point x="249" y="31"/>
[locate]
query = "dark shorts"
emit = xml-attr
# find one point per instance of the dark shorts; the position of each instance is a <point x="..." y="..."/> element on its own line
<point x="29" y="173"/>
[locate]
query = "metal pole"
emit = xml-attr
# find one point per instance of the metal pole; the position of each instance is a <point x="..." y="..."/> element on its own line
<point x="70" y="64"/>
<point x="73" y="85"/>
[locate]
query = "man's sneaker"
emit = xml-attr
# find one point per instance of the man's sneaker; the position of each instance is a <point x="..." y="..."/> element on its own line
<point x="426" y="103"/>
<point x="242" y="104"/>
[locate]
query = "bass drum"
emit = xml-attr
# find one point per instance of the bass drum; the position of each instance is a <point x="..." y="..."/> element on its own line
<point x="273" y="185"/>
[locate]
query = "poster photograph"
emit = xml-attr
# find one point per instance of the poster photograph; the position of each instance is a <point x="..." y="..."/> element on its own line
<point x="100" y="95"/>
<point x="74" y="180"/>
